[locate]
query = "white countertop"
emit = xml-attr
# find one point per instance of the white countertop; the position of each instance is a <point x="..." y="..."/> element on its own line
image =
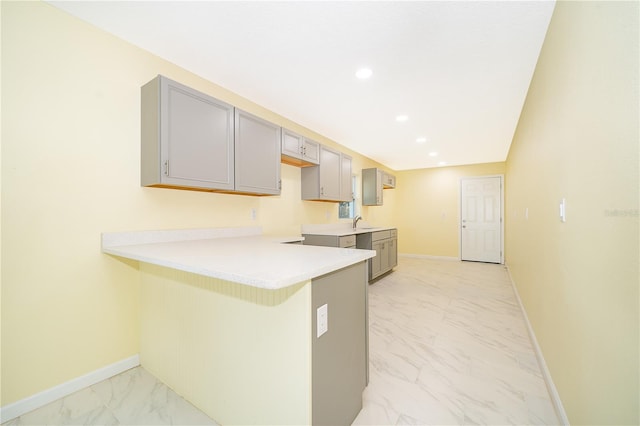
<point x="250" y="259"/>
<point x="341" y="230"/>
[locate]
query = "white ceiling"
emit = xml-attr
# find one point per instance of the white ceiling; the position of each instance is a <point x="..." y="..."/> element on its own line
<point x="460" y="70"/>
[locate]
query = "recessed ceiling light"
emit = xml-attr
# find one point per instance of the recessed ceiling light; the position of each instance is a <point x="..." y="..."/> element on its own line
<point x="433" y="154"/>
<point x="364" y="73"/>
<point x="421" y="140"/>
<point x="442" y="163"/>
<point x="402" y="118"/>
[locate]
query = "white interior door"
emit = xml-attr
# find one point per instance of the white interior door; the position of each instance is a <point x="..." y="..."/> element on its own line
<point x="481" y="219"/>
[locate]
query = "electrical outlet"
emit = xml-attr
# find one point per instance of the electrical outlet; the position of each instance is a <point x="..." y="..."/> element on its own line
<point x="254" y="214"/>
<point x="322" y="319"/>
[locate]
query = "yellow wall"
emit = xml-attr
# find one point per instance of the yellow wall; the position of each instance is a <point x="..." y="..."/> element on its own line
<point x="71" y="170"/>
<point x="427" y="208"/>
<point x="195" y="327"/>
<point x="578" y="138"/>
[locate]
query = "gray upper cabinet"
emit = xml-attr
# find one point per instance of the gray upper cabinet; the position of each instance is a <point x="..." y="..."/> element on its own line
<point x="310" y="151"/>
<point x="257" y="155"/>
<point x="298" y="150"/>
<point x="388" y="181"/>
<point x="322" y="182"/>
<point x="346" y="188"/>
<point x="330" y="180"/>
<point x="372" y="187"/>
<point x="193" y="141"/>
<point x="187" y="138"/>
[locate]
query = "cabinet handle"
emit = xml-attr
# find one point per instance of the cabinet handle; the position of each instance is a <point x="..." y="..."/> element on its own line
<point x="280" y="184"/>
<point x="166" y="167"/>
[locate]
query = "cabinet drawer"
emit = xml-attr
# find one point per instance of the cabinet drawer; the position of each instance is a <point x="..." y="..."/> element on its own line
<point x="380" y="235"/>
<point x="347" y="241"/>
<point x="393" y="233"/>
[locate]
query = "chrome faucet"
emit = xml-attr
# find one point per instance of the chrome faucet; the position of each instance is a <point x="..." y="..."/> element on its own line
<point x="355" y="221"/>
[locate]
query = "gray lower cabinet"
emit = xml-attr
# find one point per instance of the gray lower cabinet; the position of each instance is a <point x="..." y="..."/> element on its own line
<point x="339" y="356"/>
<point x="393" y="249"/>
<point x="385" y="244"/>
<point x="345" y="241"/>
<point x="381" y="261"/>
<point x="193" y="141"/>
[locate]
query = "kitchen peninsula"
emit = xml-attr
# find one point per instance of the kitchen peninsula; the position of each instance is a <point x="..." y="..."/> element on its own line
<point x="229" y="320"/>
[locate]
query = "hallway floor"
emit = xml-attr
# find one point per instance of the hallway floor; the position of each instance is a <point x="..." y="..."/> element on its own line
<point x="448" y="345"/>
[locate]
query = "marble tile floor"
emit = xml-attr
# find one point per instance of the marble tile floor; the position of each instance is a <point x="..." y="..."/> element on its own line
<point x="448" y="345"/>
<point x="134" y="397"/>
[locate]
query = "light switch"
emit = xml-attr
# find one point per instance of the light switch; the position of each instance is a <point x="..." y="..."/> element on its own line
<point x="323" y="319"/>
<point x="563" y="210"/>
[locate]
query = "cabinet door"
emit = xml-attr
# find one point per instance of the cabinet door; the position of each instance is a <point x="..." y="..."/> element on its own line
<point x="393" y="253"/>
<point x="257" y="163"/>
<point x="389" y="181"/>
<point x="291" y="144"/>
<point x="371" y="187"/>
<point x="379" y="176"/>
<point x="196" y="137"/>
<point x="346" y="191"/>
<point x="330" y="164"/>
<point x="310" y="151"/>
<point x="299" y="151"/>
<point x="384" y="256"/>
<point x="375" y="264"/>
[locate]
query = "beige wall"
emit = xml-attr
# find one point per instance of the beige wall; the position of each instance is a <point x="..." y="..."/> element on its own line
<point x="578" y="139"/>
<point x="428" y="208"/>
<point x="70" y="170"/>
<point x="194" y="327"/>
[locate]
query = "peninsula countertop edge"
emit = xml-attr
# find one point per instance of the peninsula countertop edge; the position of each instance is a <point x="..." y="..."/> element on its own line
<point x="240" y="255"/>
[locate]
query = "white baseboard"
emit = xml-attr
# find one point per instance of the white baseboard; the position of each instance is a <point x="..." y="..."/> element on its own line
<point x="546" y="374"/>
<point x="426" y="256"/>
<point x="18" y="408"/>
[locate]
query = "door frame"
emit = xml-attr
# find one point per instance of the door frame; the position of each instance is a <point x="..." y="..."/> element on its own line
<point x="462" y="179"/>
